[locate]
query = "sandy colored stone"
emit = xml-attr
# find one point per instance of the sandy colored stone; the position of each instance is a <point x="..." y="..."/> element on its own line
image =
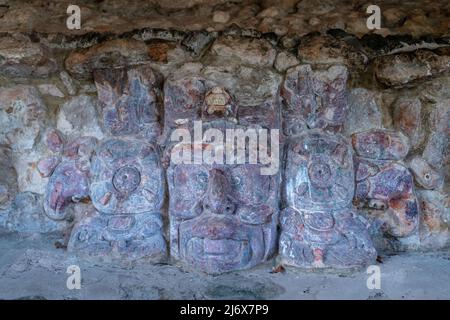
<point x="221" y="16"/>
<point x="435" y="220"/>
<point x="8" y="177"/>
<point x="51" y="90"/>
<point x="78" y="117"/>
<point x="256" y="52"/>
<point x="406" y="68"/>
<point x="20" y="57"/>
<point x="27" y="217"/>
<point x="364" y="111"/>
<point x="285" y="60"/>
<point x="110" y="54"/>
<point x="22" y="116"/>
<point x="317" y="49"/>
<point x="436" y="151"/>
<point x="407" y="117"/>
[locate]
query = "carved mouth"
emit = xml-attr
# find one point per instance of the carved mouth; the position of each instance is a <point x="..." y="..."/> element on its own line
<point x="216" y="244"/>
<point x="226" y="250"/>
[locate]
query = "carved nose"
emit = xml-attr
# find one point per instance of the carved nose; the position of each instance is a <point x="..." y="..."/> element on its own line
<point x="217" y="198"/>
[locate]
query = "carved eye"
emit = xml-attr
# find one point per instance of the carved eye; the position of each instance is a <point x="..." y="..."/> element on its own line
<point x="202" y="178"/>
<point x="427" y="176"/>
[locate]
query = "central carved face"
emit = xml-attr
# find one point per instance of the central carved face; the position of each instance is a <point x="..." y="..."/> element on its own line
<point x="319" y="172"/>
<point x="223" y="217"/>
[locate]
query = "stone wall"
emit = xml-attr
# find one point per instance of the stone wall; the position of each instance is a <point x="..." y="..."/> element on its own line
<point x="62" y="92"/>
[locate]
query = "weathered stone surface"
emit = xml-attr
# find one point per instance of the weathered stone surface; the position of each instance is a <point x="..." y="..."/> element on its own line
<point x="110" y="54"/>
<point x="235" y="86"/>
<point x="436" y="151"/>
<point x="69" y="179"/>
<point x="317" y="49"/>
<point x="388" y="186"/>
<point x="78" y="117"/>
<point x="119" y="239"/>
<point x="183" y="97"/>
<point x="440" y="117"/>
<point x="435" y="219"/>
<point x="256" y="52"/>
<point x="46" y="166"/>
<point x="186" y="89"/>
<point x="408" y="119"/>
<point x="319" y="226"/>
<point x="27" y="216"/>
<point x="252" y="87"/>
<point x="219" y="104"/>
<point x="424" y="175"/>
<point x="130" y="100"/>
<point x="318" y="97"/>
<point x="393" y="17"/>
<point x="54" y="140"/>
<point x="197" y="42"/>
<point x="127" y="178"/>
<point x="22" y="116"/>
<point x="285" y="60"/>
<point x="182" y="4"/>
<point x="316" y="7"/>
<point x="364" y="112"/>
<point x="51" y="90"/>
<point x="406" y="68"/>
<point x="28" y="177"/>
<point x="8" y="177"/>
<point x="221" y="16"/>
<point x="68" y="183"/>
<point x="68" y="82"/>
<point x="20" y="57"/>
<point x="80" y="148"/>
<point x="127" y="191"/>
<point x="222" y="216"/>
<point x="436" y="90"/>
<point x="296" y="17"/>
<point x="127" y="185"/>
<point x="380" y="144"/>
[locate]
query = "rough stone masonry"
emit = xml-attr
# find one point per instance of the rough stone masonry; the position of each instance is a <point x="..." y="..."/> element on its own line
<point x="86" y="118"/>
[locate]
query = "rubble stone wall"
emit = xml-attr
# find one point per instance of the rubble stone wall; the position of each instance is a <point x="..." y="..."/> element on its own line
<point x="300" y="66"/>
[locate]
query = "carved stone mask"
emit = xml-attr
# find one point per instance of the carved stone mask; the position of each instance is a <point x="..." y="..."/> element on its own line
<point x="127" y="185"/>
<point x="319" y="172"/>
<point x="223" y="217"/>
<point x="127" y="178"/>
<point x="319" y="226"/>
